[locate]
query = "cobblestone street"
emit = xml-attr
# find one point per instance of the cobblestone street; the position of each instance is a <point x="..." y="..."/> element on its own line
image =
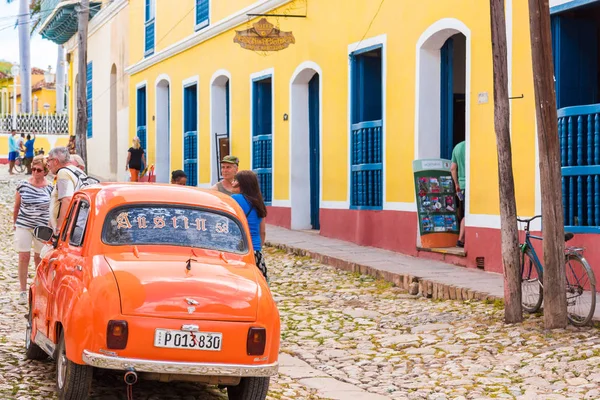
<point x="347" y="336"/>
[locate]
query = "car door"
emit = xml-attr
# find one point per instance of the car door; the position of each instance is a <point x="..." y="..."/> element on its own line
<point x="69" y="267"/>
<point x="45" y="275"/>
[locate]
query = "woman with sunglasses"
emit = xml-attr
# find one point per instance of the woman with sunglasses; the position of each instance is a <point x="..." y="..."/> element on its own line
<point x="32" y="208"/>
<point x="251" y="200"/>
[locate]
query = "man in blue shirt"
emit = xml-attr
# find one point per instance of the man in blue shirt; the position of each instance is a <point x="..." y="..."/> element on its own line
<point x="13" y="151"/>
<point x="29" y="153"/>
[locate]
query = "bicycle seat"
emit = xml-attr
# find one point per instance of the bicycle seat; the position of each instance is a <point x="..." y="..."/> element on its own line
<point x="568" y="236"/>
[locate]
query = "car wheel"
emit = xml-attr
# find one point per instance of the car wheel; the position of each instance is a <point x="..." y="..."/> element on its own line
<point x="32" y="350"/>
<point x="73" y="381"/>
<point x="249" y="389"/>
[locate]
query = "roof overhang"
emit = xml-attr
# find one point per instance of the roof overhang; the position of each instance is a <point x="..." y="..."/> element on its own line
<point x="62" y="24"/>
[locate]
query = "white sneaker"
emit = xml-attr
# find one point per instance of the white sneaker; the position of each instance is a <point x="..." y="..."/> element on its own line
<point x="23" y="298"/>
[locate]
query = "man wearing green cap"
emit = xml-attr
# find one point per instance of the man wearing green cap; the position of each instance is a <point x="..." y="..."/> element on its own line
<point x="229" y="167"/>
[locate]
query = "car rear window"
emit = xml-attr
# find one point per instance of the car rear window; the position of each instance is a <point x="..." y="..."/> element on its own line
<point x="171" y="225"/>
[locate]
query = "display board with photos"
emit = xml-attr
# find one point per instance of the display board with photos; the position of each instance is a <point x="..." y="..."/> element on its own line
<point x="436" y="197"/>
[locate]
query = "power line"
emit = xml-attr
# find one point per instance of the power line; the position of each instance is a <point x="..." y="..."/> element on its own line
<point x="370" y="24"/>
<point x="34" y="13"/>
<point x="36" y="18"/>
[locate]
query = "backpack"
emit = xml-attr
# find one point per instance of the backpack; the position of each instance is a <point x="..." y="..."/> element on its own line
<point x="82" y="180"/>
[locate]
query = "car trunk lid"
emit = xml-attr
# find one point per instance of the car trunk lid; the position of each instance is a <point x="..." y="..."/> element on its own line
<point x="161" y="286"/>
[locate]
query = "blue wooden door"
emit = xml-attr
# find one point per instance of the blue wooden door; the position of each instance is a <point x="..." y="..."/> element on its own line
<point x="314" y="133"/>
<point x="575" y="51"/>
<point x="190" y="134"/>
<point x="447" y="100"/>
<point x="141" y="116"/>
<point x="262" y="131"/>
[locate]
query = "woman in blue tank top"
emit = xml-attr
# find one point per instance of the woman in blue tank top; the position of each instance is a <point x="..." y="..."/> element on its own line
<point x="251" y="200"/>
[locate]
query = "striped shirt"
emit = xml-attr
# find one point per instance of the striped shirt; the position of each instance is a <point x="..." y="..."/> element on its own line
<point x="35" y="205"/>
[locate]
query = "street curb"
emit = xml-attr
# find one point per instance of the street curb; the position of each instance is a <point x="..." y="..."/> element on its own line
<point x="426" y="287"/>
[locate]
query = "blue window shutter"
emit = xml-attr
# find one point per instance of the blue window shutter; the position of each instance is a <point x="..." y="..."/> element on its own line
<point x="149" y="28"/>
<point x="141" y="116"/>
<point x="190" y="136"/>
<point x="262" y="134"/>
<point x="366" y="151"/>
<point x="575" y="51"/>
<point x="202" y="18"/>
<point x="149" y="38"/>
<point x="89" y="97"/>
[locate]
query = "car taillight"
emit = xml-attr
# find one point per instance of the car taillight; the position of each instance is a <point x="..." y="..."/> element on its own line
<point x="257" y="338"/>
<point x="116" y="335"/>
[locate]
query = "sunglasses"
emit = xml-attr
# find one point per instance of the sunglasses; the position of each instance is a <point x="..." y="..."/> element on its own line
<point x="37" y="169"/>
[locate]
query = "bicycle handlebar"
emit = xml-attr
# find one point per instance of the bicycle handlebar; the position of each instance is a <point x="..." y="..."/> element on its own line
<point x="528" y="220"/>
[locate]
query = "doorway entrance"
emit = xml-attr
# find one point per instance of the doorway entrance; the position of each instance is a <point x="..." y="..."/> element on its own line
<point x="262" y="135"/>
<point x="220" y="120"/>
<point x="452" y="94"/>
<point x="190" y="133"/>
<point x="163" y="131"/>
<point x="305" y="149"/>
<point x="442" y="80"/>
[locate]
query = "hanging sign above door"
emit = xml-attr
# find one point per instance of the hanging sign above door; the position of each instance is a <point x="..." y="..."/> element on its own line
<point x="264" y="36"/>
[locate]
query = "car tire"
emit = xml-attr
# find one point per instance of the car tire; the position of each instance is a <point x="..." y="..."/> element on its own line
<point x="32" y="350"/>
<point x="73" y="381"/>
<point x="253" y="388"/>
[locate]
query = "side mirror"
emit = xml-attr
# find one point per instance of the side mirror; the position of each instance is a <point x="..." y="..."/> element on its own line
<point x="43" y="233"/>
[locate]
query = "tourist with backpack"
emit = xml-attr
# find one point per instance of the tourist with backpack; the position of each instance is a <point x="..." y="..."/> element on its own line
<point x="68" y="179"/>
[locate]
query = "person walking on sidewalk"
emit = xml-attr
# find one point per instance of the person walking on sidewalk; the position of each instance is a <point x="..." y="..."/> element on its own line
<point x="13" y="151"/>
<point x="32" y="204"/>
<point x="229" y="167"/>
<point x="457" y="169"/>
<point x="251" y="201"/>
<point x="135" y="159"/>
<point x="28" y="159"/>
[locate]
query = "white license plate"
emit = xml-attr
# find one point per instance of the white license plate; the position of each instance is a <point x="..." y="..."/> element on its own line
<point x="174" y="339"/>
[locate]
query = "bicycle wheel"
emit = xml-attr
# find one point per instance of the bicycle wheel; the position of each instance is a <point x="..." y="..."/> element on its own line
<point x="532" y="291"/>
<point x="581" y="290"/>
<point x="19" y="165"/>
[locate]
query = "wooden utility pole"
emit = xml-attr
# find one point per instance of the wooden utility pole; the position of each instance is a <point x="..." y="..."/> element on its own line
<point x="83" y="10"/>
<point x="508" y="208"/>
<point x="555" y="300"/>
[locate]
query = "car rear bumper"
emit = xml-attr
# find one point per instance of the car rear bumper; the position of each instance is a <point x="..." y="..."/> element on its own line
<point x="184" y="368"/>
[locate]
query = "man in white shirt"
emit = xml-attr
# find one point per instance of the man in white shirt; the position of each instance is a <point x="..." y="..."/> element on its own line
<point x="59" y="162"/>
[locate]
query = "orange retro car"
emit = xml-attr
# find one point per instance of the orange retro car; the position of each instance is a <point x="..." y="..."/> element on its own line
<point x="159" y="282"/>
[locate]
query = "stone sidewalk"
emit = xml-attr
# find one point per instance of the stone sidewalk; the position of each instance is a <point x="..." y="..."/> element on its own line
<point x="433" y="279"/>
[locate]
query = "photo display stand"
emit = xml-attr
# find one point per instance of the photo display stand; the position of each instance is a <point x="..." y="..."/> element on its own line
<point x="436" y="203"/>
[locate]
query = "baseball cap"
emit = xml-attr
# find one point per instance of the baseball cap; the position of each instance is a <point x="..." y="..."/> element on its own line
<point x="231" y="160"/>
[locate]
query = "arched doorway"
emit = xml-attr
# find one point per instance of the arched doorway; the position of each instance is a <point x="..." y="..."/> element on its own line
<point x="163" y="130"/>
<point x="113" y="123"/>
<point x="220" y="120"/>
<point x="442" y="94"/>
<point x="443" y="75"/>
<point x="305" y="173"/>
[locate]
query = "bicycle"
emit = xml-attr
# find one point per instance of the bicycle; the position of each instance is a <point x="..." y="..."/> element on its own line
<point x="580" y="279"/>
<point x="19" y="164"/>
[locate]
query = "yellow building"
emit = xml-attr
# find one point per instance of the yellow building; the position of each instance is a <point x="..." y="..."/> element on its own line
<point x="341" y="77"/>
<point x="50" y="132"/>
<point x="41" y="93"/>
<point x="330" y="104"/>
